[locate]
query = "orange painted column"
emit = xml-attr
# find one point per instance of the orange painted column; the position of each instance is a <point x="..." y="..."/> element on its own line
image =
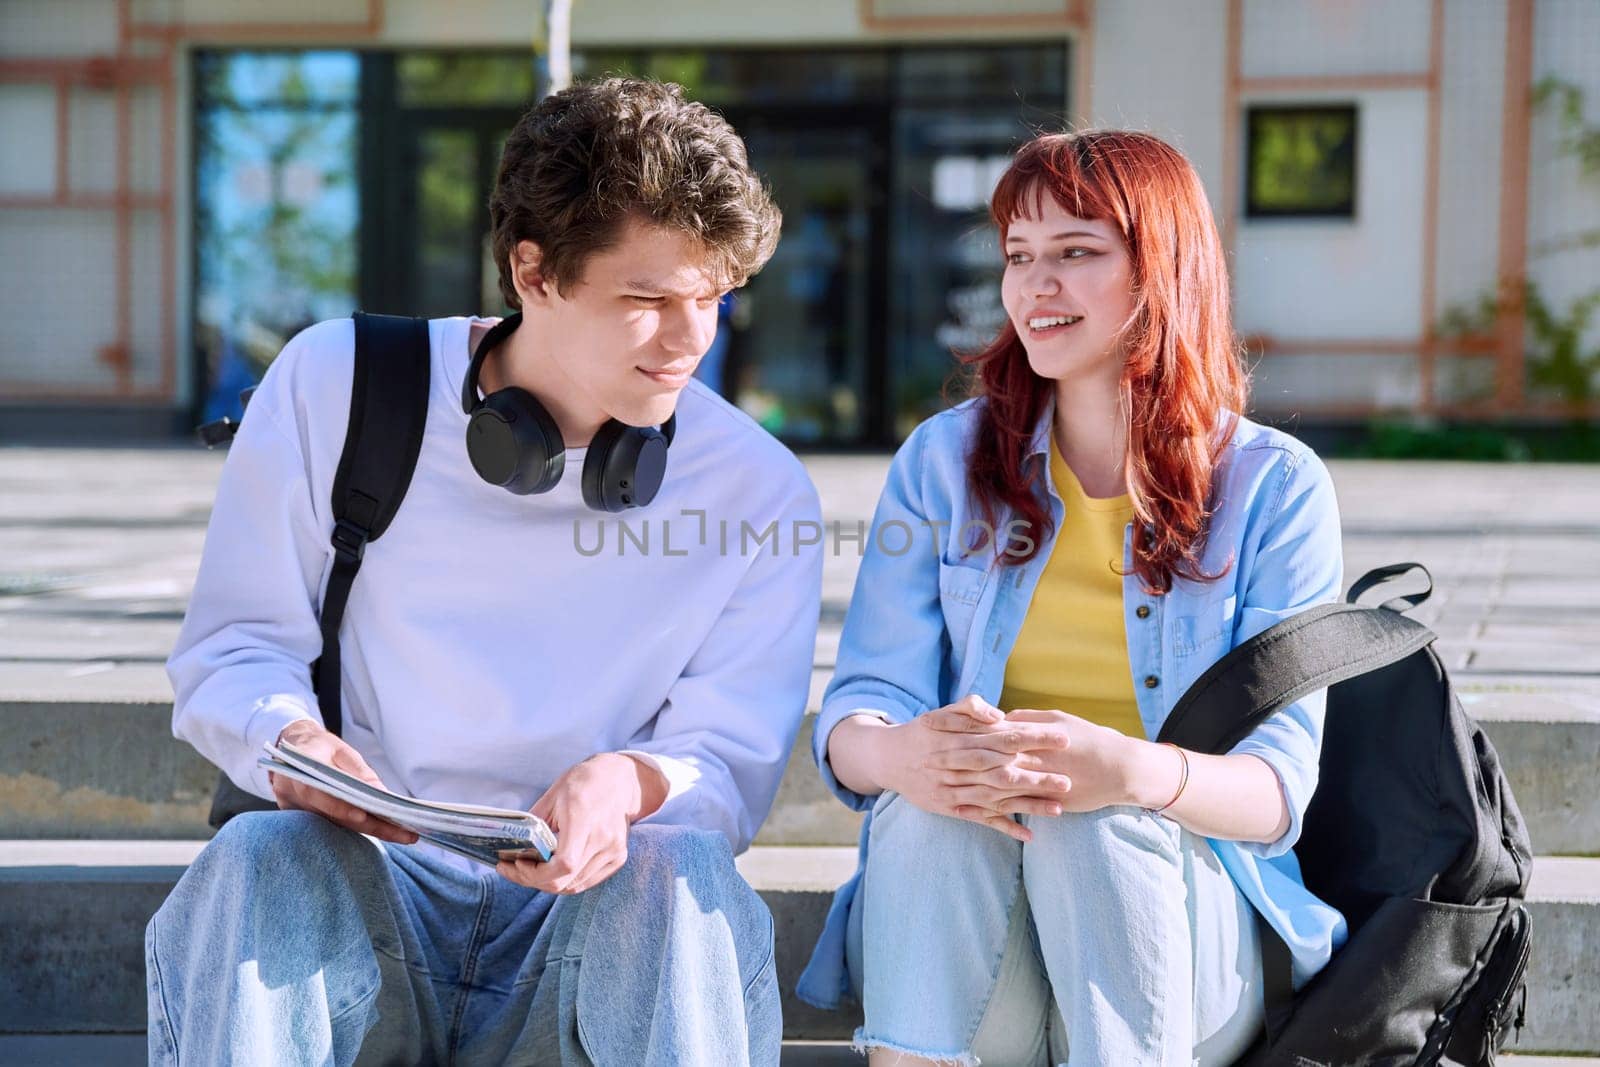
<point x="1510" y="385"/>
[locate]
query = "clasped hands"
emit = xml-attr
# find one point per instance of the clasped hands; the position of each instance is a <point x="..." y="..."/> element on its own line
<point x="972" y="761"/>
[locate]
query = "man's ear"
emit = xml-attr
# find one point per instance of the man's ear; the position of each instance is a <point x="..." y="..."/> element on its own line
<point x="527" y="274"/>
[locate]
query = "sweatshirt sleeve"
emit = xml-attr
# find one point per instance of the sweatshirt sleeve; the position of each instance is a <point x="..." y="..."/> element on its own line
<point x="723" y="736"/>
<point x="240" y="670"/>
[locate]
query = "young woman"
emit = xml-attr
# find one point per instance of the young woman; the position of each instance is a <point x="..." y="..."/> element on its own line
<point x="1041" y="882"/>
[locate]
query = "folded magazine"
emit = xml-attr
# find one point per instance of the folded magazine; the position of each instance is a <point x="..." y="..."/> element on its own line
<point x="485" y="834"/>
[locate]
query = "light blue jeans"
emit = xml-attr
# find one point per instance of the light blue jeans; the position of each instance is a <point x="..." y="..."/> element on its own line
<point x="293" y="941"/>
<point x="1112" y="938"/>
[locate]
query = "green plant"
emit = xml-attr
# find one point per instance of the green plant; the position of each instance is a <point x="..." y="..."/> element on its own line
<point x="1565" y="101"/>
<point x="1561" y="361"/>
<point x="1401" y="439"/>
<point x="1577" y="137"/>
<point x="1556" y="357"/>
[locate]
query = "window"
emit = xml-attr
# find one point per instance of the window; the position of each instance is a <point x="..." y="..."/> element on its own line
<point x="1302" y="162"/>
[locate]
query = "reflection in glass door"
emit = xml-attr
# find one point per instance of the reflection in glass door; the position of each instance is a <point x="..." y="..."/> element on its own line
<point x="446" y="176"/>
<point x="947" y="264"/>
<point x="449" y="169"/>
<point x="801" y="330"/>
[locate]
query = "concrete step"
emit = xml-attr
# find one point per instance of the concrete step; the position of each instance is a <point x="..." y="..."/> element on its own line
<point x="77" y="762"/>
<point x="72" y="916"/>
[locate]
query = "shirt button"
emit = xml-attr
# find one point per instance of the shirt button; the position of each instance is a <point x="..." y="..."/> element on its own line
<point x="1151" y="681"/>
<point x="1143" y="611"/>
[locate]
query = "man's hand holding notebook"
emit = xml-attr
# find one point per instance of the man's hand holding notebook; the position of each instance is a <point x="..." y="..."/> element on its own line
<point x="352" y="797"/>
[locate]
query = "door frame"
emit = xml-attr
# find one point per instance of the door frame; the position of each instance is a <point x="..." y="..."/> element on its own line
<point x="388" y="219"/>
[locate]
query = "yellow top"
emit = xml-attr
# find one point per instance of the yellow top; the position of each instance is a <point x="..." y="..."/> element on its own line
<point x="1072" y="651"/>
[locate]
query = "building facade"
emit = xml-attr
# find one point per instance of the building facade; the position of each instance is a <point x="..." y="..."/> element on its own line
<point x="1408" y="190"/>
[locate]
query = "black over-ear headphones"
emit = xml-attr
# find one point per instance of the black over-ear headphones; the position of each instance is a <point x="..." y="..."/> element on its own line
<point x="513" y="442"/>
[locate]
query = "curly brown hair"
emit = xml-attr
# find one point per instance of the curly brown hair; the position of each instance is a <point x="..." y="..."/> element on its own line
<point x="583" y="161"/>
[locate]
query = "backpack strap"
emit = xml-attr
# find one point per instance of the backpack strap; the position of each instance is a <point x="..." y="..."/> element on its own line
<point x="1319" y="647"/>
<point x="1379" y="576"/>
<point x="1312" y="650"/>
<point x="388" y="410"/>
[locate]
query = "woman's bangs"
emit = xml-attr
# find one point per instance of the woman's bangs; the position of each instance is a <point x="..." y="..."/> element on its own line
<point x="1022" y="188"/>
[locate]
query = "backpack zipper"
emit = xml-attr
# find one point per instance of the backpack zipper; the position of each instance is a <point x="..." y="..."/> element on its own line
<point x="1514" y="988"/>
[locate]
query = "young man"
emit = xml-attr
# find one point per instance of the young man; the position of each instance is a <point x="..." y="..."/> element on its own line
<point x="641" y="698"/>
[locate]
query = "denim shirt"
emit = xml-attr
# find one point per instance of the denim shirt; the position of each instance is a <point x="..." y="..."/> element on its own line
<point x="933" y="623"/>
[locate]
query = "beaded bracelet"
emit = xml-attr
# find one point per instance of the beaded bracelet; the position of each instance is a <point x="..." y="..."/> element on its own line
<point x="1183" y="782"/>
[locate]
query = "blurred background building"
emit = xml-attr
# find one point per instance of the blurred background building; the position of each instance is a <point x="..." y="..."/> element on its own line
<point x="1409" y="190"/>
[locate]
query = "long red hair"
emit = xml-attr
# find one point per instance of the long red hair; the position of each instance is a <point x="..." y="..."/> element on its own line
<point x="1183" y="382"/>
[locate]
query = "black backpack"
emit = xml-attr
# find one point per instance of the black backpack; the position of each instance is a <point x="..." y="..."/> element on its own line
<point x="1412" y="834"/>
<point x="388" y="410"/>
